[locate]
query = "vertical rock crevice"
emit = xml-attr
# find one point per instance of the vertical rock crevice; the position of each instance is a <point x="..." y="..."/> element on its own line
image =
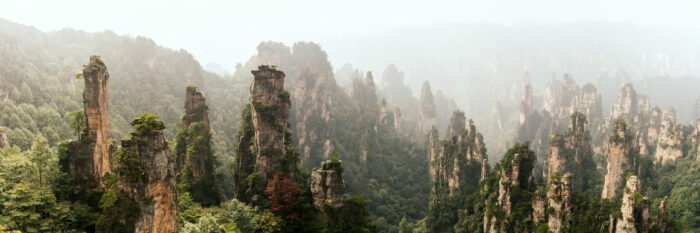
<point x="619" y="158"/>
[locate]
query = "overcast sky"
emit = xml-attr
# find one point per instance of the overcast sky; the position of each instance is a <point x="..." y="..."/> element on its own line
<point x="227" y="32"/>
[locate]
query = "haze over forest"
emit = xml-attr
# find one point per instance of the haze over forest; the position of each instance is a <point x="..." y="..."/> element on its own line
<point x="318" y="116"/>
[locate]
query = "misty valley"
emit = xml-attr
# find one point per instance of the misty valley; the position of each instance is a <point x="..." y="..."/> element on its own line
<point x="104" y="132"/>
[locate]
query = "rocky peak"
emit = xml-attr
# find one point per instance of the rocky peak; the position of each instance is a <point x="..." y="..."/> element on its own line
<point x="194" y="163"/>
<point x="91" y="154"/>
<point x="516" y="170"/>
<point x="327" y="185"/>
<point x="145" y="173"/>
<point x="457" y="124"/>
<point x="270" y="105"/>
<point x="196" y="110"/>
<point x="433" y="151"/>
<point x="627" y="223"/>
<point x="386" y="117"/>
<point x="626" y="103"/>
<point x="525" y="103"/>
<point x="96" y="107"/>
<point x="427" y="109"/>
<point x="397" y="119"/>
<point x="3" y="138"/>
<point x="559" y="198"/>
<point x="619" y="158"/>
<point x="669" y="145"/>
<point x="568" y="151"/>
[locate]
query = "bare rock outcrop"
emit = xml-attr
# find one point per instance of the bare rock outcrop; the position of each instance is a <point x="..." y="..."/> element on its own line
<point x="669" y="146"/>
<point x="627" y="223"/>
<point x="327" y="185"/>
<point x="455" y="162"/>
<point x="96" y="104"/>
<point x="567" y="152"/>
<point x="619" y="159"/>
<point x="90" y="157"/>
<point x="559" y="198"/>
<point x="518" y="174"/>
<point x="312" y="99"/>
<point x="145" y="173"/>
<point x="427" y="115"/>
<point x="539" y="206"/>
<point x="262" y="146"/>
<point x="270" y="106"/>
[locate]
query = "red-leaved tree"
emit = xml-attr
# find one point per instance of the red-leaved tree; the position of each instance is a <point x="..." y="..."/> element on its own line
<point x="282" y="192"/>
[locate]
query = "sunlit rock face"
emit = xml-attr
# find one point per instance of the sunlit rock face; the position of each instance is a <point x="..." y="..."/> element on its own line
<point x="559" y="198"/>
<point x="518" y="176"/>
<point x="90" y="156"/>
<point x="626" y="223"/>
<point x="96" y="104"/>
<point x="152" y="186"/>
<point x="619" y="159"/>
<point x="669" y="145"/>
<point x="327" y="185"/>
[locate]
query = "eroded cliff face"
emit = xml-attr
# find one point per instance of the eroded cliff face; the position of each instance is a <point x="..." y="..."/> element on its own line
<point x="146" y="174"/>
<point x="90" y="156"/>
<point x="312" y="99"/>
<point x="559" y="198"/>
<point x="96" y="105"/>
<point x="619" y="159"/>
<point x="459" y="159"/>
<point x="3" y="138"/>
<point x="669" y="146"/>
<point x="627" y="223"/>
<point x="263" y="136"/>
<point x="194" y="163"/>
<point x="517" y="175"/>
<point x="567" y="152"/>
<point x="270" y="111"/>
<point x="327" y="185"/>
<point x="427" y="115"/>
